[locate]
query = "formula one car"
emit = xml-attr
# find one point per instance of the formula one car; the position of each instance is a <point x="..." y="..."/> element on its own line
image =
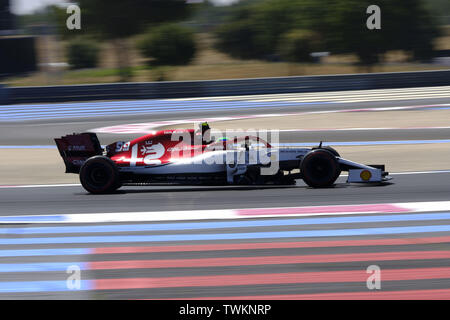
<point x="188" y="157"/>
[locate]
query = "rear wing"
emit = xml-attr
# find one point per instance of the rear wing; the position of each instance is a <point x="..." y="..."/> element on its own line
<point x="75" y="149"/>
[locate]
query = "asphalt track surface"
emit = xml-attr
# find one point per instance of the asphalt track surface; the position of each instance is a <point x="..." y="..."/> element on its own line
<point x="278" y="258"/>
<point x="74" y="199"/>
<point x="266" y="257"/>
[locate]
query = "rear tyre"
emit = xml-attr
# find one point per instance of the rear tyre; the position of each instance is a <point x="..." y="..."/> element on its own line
<point x="100" y="175"/>
<point x="320" y="168"/>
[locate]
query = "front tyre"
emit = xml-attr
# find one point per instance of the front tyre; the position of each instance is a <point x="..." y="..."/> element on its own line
<point x="100" y="175"/>
<point x="328" y="148"/>
<point x="320" y="168"/>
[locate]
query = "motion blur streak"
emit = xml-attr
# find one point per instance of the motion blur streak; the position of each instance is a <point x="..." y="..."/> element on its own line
<point x="293" y="101"/>
<point x="215" y="262"/>
<point x="224" y="262"/>
<point x="414" y="263"/>
<point x="374" y="295"/>
<point x="223" y="225"/>
<point x="227" y="236"/>
<point x="269" y="245"/>
<point x="270" y="278"/>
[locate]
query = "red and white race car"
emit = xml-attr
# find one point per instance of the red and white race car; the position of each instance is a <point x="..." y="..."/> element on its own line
<point x="185" y="157"/>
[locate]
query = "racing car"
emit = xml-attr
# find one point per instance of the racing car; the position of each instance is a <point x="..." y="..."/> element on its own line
<point x="188" y="156"/>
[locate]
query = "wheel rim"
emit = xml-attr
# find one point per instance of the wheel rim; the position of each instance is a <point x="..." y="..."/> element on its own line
<point x="320" y="169"/>
<point x="98" y="176"/>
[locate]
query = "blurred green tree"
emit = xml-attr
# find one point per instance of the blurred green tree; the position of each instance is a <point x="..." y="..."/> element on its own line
<point x="440" y="10"/>
<point x="168" y="44"/>
<point x="405" y="25"/>
<point x="253" y="30"/>
<point x="82" y="53"/>
<point x="256" y="30"/>
<point x="117" y="20"/>
<point x="297" y="45"/>
<point x="239" y="39"/>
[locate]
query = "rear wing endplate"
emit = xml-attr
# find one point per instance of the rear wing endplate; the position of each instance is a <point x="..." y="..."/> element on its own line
<point x="76" y="148"/>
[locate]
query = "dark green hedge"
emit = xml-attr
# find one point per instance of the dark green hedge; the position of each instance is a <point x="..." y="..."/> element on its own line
<point x="82" y="53"/>
<point x="168" y="44"/>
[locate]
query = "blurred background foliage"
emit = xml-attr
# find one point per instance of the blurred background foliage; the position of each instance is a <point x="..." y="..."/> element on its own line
<point x="168" y="44"/>
<point x="255" y="31"/>
<point x="136" y="39"/>
<point x="296" y="45"/>
<point x="82" y="53"/>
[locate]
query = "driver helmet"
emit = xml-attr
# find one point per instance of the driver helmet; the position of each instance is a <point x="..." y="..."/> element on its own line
<point x="204" y="126"/>
<point x="205" y="131"/>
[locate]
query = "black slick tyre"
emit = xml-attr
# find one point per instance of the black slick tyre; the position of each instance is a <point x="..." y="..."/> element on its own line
<point x="328" y="148"/>
<point x="320" y="168"/>
<point x="99" y="175"/>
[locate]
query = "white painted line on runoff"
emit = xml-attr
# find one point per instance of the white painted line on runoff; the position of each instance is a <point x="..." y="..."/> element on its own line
<point x="152" y="216"/>
<point x="420" y="172"/>
<point x="332" y="210"/>
<point x="427" y="206"/>
<point x="40" y="185"/>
